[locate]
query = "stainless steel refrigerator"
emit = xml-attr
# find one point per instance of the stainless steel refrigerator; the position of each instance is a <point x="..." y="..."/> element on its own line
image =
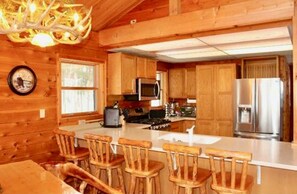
<point x="258" y="108"/>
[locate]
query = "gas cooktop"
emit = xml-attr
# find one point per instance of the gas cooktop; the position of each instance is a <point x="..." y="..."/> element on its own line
<point x="151" y="121"/>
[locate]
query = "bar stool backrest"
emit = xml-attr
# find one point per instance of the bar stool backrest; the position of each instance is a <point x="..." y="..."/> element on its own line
<point x="99" y="148"/>
<point x="182" y="160"/>
<point x="65" y="141"/>
<point x="136" y="154"/>
<point x="234" y="157"/>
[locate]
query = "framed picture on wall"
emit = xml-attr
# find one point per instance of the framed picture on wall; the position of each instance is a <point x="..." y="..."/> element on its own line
<point x="22" y="80"/>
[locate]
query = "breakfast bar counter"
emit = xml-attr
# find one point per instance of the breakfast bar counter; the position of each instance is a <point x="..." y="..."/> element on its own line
<point x="265" y="152"/>
<point x="273" y="162"/>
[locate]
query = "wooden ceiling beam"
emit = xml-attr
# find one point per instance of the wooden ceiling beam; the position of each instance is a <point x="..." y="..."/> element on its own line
<point x="107" y="12"/>
<point x="236" y="15"/>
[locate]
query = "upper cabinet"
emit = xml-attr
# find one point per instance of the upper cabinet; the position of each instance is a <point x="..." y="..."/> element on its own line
<point x="177" y="83"/>
<point x="191" y="82"/>
<point x="182" y="83"/>
<point x="146" y="68"/>
<point x="121" y="74"/>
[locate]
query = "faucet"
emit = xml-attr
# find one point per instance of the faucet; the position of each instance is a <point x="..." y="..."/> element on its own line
<point x="191" y="133"/>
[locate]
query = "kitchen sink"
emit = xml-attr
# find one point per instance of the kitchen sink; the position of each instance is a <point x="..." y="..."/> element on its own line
<point x="198" y="139"/>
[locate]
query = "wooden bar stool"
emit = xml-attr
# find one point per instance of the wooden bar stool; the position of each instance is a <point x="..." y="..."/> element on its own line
<point x="104" y="159"/>
<point x="230" y="181"/>
<point x="183" y="168"/>
<point x="139" y="166"/>
<point x="65" y="141"/>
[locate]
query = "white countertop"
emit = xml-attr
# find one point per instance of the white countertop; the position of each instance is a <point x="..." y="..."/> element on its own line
<point x="268" y="153"/>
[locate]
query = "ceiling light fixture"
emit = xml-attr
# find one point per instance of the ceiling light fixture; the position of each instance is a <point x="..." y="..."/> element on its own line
<point x="45" y="22"/>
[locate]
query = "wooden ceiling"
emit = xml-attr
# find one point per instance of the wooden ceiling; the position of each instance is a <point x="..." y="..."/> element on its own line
<point x="112" y="13"/>
<point x="107" y="12"/>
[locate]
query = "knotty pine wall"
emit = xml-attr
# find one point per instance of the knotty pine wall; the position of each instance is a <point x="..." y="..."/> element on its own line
<point x="23" y="135"/>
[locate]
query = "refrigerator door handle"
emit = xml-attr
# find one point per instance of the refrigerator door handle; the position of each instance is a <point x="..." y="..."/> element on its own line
<point x="256" y="105"/>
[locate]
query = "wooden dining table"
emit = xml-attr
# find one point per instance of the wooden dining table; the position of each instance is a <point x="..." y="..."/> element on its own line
<point x="28" y="177"/>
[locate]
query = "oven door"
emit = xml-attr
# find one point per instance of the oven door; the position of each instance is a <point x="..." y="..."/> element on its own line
<point x="148" y="89"/>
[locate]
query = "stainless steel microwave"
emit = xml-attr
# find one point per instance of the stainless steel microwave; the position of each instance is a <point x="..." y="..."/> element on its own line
<point x="146" y="89"/>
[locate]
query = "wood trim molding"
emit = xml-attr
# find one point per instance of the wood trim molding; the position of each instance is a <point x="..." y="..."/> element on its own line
<point x="245" y="13"/>
<point x="295" y="73"/>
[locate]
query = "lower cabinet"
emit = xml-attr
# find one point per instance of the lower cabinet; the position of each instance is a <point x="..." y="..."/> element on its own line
<point x="188" y="124"/>
<point x="182" y="126"/>
<point x="206" y="128"/>
<point x="176" y="126"/>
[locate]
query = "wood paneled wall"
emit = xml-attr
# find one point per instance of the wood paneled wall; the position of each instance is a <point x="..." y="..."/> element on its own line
<point x="23" y="135"/>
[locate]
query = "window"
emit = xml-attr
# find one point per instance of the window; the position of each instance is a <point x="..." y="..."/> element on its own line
<point x="79" y="87"/>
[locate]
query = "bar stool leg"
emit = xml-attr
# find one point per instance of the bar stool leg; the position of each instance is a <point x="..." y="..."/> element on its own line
<point x="132" y="184"/>
<point x="203" y="189"/>
<point x="109" y="178"/>
<point x="121" y="180"/>
<point x="176" y="189"/>
<point x="149" y="185"/>
<point x="158" y="185"/>
<point x="188" y="190"/>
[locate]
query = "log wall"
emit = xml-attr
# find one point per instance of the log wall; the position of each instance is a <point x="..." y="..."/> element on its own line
<point x="23" y="135"/>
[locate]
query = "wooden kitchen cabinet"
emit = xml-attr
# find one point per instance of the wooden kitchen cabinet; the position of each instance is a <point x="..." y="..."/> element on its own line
<point x="146" y="68"/>
<point x="182" y="83"/>
<point x="214" y="91"/>
<point x="176" y="126"/>
<point x="177" y="83"/>
<point x="191" y="82"/>
<point x="188" y="124"/>
<point x="121" y="74"/>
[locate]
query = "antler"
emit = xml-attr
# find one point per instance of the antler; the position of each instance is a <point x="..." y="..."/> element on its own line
<point x="55" y="18"/>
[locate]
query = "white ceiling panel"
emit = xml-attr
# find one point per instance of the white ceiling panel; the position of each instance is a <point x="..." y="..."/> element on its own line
<point x="185" y="51"/>
<point x="197" y="55"/>
<point x="264" y="34"/>
<point x="259" y="50"/>
<point x="169" y="45"/>
<point x="255" y="44"/>
<point x="224" y="46"/>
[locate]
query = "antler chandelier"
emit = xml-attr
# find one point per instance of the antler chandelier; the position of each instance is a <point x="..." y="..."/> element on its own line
<point x="44" y="22"/>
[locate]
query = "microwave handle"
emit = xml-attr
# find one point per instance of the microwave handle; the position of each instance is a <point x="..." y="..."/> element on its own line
<point x="158" y="88"/>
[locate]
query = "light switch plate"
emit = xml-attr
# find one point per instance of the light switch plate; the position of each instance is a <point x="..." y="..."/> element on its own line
<point x="42" y="113"/>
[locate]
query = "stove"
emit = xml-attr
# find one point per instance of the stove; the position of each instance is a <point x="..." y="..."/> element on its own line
<point x="156" y="123"/>
<point x="155" y="118"/>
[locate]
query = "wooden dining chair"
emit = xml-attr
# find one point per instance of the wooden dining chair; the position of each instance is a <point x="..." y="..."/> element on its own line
<point x="230" y="181"/>
<point x="66" y="170"/>
<point x="103" y="158"/>
<point x="183" y="168"/>
<point x="65" y="141"/>
<point x="139" y="166"/>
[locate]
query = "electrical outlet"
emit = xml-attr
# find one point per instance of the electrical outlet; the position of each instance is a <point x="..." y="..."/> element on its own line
<point x="42" y="113"/>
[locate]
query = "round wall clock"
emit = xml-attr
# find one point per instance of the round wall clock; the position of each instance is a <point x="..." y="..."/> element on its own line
<point x="22" y="80"/>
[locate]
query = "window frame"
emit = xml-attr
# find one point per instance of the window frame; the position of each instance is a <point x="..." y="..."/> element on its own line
<point x="98" y="88"/>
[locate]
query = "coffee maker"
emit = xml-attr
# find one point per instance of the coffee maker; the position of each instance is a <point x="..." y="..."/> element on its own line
<point x="112" y="117"/>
